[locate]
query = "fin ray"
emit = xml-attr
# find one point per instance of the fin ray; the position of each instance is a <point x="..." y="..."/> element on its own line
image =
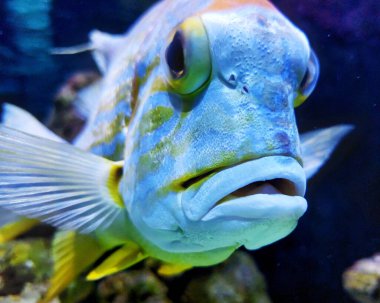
<point x="71" y="189"/>
<point x="317" y="146"/>
<point x="72" y="50"/>
<point x="14" y="229"/>
<point x="170" y="270"/>
<point x="125" y="257"/>
<point x="17" y="118"/>
<point x="72" y="253"/>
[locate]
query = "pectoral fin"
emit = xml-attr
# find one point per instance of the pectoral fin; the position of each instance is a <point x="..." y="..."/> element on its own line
<point x="14" y="117"/>
<point x="19" y="119"/>
<point x="170" y="270"/>
<point x="317" y="146"/>
<point x="13" y="229"/>
<point x="57" y="183"/>
<point x="124" y="257"/>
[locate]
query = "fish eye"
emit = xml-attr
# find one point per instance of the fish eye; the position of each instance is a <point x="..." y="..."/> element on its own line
<point x="309" y="80"/>
<point x="187" y="57"/>
<point x="175" y="56"/>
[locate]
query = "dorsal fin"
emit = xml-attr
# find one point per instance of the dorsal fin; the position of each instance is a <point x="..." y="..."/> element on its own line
<point x="102" y="45"/>
<point x="72" y="50"/>
<point x="85" y="102"/>
<point x="105" y="47"/>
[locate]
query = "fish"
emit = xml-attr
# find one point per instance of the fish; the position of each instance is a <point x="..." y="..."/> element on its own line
<point x="190" y="150"/>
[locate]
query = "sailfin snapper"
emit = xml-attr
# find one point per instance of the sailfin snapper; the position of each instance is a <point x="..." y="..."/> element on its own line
<point x="190" y="150"/>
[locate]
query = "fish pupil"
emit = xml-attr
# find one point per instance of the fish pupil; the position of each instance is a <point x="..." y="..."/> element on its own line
<point x="175" y="56"/>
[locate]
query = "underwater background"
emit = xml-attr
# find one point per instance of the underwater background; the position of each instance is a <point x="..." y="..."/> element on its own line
<point x="342" y="223"/>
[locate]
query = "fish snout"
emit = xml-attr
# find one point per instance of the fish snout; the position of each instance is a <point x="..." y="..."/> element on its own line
<point x="283" y="143"/>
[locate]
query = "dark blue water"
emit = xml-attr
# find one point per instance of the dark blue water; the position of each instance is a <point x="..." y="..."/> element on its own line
<point x="343" y="220"/>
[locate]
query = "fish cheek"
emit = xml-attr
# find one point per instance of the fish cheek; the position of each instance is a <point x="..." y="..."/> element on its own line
<point x="154" y="119"/>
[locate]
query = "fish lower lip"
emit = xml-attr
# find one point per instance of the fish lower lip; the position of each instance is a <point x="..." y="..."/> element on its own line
<point x="259" y="206"/>
<point x="270" y="179"/>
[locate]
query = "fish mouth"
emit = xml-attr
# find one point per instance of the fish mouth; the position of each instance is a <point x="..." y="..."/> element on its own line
<point x="265" y="188"/>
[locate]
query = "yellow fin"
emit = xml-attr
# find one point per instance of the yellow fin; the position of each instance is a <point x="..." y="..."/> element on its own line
<point x="121" y="259"/>
<point x="72" y="254"/>
<point x="14" y="229"/>
<point x="169" y="270"/>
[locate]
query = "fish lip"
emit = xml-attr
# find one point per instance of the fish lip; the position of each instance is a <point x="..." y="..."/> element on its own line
<point x="200" y="202"/>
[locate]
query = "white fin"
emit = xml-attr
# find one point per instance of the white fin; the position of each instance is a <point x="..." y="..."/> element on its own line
<point x="317" y="146"/>
<point x="7" y="217"/>
<point x="17" y="118"/>
<point x="72" y="50"/>
<point x="57" y="183"/>
<point x="85" y="102"/>
<point x="105" y="47"/>
<point x="102" y="45"/>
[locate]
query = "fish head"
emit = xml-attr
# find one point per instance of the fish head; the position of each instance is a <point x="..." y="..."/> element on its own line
<point x="213" y="151"/>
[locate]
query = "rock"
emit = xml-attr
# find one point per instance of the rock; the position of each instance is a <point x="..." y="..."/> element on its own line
<point x="24" y="269"/>
<point x="236" y="281"/>
<point x="132" y="286"/>
<point x="78" y="291"/>
<point x="362" y="280"/>
<point x="30" y="294"/>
